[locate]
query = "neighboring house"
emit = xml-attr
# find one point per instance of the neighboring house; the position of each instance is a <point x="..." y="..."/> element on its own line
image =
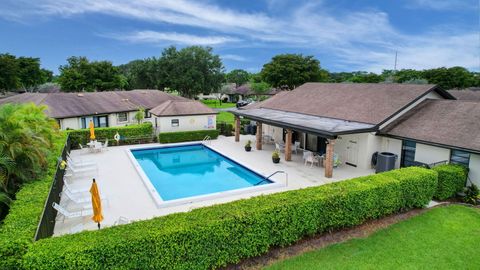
<point x="354" y="121"/>
<point x="472" y="95"/>
<point x="118" y="108"/>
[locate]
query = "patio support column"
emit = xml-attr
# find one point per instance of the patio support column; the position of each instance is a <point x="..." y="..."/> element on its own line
<point x="288" y="145"/>
<point x="329" y="159"/>
<point x="259" y="135"/>
<point x="237" y="128"/>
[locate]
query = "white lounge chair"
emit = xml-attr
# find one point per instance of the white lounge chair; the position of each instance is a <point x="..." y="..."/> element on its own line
<point x="121" y="220"/>
<point x="73" y="190"/>
<point x="67" y="214"/>
<point x="73" y="170"/>
<point x="80" y="162"/>
<point x="83" y="199"/>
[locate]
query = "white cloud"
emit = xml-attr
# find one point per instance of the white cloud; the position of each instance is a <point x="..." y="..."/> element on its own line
<point x="442" y="4"/>
<point x="166" y="38"/>
<point x="362" y="39"/>
<point x="234" y="57"/>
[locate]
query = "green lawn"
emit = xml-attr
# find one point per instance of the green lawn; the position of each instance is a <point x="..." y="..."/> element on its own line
<point x="216" y="104"/>
<point x="442" y="238"/>
<point x="225" y="117"/>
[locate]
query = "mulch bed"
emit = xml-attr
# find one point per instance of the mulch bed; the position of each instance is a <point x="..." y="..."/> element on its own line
<point x="321" y="240"/>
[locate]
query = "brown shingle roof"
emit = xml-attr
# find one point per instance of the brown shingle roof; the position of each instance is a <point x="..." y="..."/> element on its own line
<point x="466" y="94"/>
<point x="452" y="123"/>
<point x="63" y="105"/>
<point x="360" y="102"/>
<point x="181" y="107"/>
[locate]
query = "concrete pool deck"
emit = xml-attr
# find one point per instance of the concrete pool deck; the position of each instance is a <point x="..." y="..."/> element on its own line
<point x="126" y="195"/>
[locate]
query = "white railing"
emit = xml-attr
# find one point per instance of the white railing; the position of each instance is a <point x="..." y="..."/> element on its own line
<point x="268" y="177"/>
<point x="207" y="140"/>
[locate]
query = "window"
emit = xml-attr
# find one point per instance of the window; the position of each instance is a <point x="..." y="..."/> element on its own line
<point x="122" y="117"/>
<point x="147" y="114"/>
<point x="408" y="153"/>
<point x="460" y="157"/>
<point x="175" y="123"/>
<point x="98" y="121"/>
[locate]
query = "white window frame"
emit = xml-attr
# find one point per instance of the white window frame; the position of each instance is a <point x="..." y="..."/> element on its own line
<point x="175" y="124"/>
<point x="120" y="120"/>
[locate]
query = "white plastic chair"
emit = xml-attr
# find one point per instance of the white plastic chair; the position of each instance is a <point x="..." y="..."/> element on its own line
<point x="279" y="148"/>
<point x="73" y="170"/>
<point x="105" y="146"/>
<point x="121" y="220"/>
<point x="80" y="162"/>
<point x="67" y="214"/>
<point x="295" y="147"/>
<point x="310" y="158"/>
<point x="72" y="190"/>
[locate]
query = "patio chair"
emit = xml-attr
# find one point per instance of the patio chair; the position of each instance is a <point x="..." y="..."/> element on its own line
<point x="67" y="214"/>
<point x="75" y="171"/>
<point x="121" y="220"/>
<point x="105" y="146"/>
<point x="279" y="147"/>
<point x="83" y="200"/>
<point x="309" y="157"/>
<point x="295" y="147"/>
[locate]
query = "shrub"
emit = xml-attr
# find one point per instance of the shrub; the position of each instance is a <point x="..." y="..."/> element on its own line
<point x="214" y="236"/>
<point x="18" y="229"/>
<point x="186" y="136"/>
<point x="472" y="194"/>
<point x="451" y="179"/>
<point x="224" y="128"/>
<point x="129" y="134"/>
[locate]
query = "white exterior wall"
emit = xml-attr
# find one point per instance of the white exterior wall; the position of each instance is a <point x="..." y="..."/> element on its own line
<point x="430" y="154"/>
<point x="474" y="166"/>
<point x="393" y="146"/>
<point x="361" y="145"/>
<point x="70" y="123"/>
<point x="431" y="95"/>
<point x="186" y="123"/>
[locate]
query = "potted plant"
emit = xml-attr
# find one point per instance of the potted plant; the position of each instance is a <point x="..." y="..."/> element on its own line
<point x="248" y="146"/>
<point x="276" y="156"/>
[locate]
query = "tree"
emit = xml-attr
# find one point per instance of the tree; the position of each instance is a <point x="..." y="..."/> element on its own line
<point x="79" y="74"/>
<point x="450" y="78"/>
<point x="30" y="74"/>
<point x="140" y="115"/>
<point x="143" y="74"/>
<point x="238" y="76"/>
<point x="26" y="137"/>
<point x="291" y="70"/>
<point x="192" y="70"/>
<point x="9" y="79"/>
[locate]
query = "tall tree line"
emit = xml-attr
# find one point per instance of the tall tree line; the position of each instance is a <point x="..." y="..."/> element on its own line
<point x="21" y="73"/>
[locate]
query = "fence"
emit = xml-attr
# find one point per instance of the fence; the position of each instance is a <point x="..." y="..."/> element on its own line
<point x="47" y="221"/>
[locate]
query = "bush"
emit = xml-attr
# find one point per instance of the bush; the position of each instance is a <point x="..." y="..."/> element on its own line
<point x="142" y="133"/>
<point x="225" y="129"/>
<point x="215" y="236"/>
<point x="451" y="179"/>
<point x="20" y="225"/>
<point x="186" y="136"/>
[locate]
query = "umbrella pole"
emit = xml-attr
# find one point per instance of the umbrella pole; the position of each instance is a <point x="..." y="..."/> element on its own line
<point x="99" y="225"/>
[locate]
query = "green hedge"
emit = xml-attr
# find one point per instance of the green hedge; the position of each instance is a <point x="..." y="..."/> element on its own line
<point x="225" y="129"/>
<point x="186" y="136"/>
<point x="451" y="179"/>
<point x="215" y="236"/>
<point x="129" y="134"/>
<point x="20" y="225"/>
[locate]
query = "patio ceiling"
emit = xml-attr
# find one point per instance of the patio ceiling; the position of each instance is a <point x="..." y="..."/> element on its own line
<point x="322" y="126"/>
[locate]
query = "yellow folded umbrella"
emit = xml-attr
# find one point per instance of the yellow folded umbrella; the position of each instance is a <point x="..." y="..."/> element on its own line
<point x="96" y="204"/>
<point x="92" y="130"/>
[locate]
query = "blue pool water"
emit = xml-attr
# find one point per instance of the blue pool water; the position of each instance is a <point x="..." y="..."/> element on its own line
<point x="192" y="170"/>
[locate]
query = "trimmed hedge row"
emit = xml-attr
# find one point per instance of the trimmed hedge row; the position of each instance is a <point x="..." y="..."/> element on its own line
<point x="129" y="134"/>
<point x="451" y="179"/>
<point x="215" y="236"/>
<point x="20" y="225"/>
<point x="186" y="136"/>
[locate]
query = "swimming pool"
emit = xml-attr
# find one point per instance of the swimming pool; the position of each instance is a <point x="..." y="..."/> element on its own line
<point x="184" y="173"/>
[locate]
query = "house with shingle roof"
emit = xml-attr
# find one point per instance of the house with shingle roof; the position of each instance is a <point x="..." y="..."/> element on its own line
<point x="349" y="124"/>
<point x="166" y="112"/>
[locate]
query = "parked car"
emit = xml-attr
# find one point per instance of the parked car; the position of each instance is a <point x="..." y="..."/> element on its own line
<point x="244" y="102"/>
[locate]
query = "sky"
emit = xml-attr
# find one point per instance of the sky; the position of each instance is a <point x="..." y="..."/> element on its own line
<point x="344" y="35"/>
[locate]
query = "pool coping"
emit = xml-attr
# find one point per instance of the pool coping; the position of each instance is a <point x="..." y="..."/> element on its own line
<point x="157" y="198"/>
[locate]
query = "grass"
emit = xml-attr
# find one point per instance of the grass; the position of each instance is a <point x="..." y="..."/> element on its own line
<point x="442" y="238"/>
<point x="216" y="104"/>
<point x="225" y="117"/>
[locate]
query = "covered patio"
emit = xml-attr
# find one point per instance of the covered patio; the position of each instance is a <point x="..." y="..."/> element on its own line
<point x="327" y="128"/>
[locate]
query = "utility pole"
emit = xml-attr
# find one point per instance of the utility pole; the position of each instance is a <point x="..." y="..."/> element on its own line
<point x="395" y="66"/>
